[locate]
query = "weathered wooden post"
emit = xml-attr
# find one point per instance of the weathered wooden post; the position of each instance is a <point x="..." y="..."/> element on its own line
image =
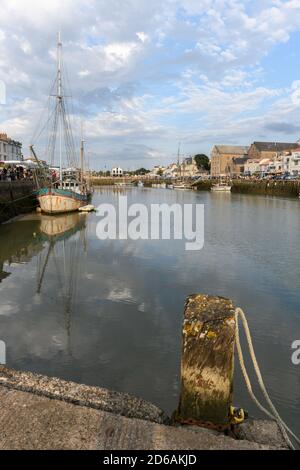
<point x="207" y="361"/>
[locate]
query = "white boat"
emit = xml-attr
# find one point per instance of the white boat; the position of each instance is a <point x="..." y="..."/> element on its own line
<point x="221" y="187"/>
<point x="124" y="184"/>
<point x="140" y="184"/>
<point x="181" y="186"/>
<point x="68" y="190"/>
<point x="88" y="208"/>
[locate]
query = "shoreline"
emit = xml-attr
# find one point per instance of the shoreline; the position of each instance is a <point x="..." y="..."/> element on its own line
<point x="259" y="187"/>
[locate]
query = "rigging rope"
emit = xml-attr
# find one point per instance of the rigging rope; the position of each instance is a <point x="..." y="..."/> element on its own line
<point x="273" y="414"/>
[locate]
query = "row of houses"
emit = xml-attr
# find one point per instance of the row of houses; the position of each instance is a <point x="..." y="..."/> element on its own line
<point x="186" y="169"/>
<point x="259" y="158"/>
<point x="9" y="149"/>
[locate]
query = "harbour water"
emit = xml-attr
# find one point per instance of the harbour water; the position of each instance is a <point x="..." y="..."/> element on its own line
<point x="109" y="313"/>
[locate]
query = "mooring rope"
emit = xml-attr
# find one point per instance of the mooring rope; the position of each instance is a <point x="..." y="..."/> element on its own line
<point x="274" y="413"/>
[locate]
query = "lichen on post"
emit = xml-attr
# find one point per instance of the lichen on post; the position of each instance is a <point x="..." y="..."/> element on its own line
<point x="207" y="361"/>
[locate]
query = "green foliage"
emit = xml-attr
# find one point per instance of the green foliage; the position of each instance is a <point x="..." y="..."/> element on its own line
<point x="141" y="171"/>
<point x="202" y="161"/>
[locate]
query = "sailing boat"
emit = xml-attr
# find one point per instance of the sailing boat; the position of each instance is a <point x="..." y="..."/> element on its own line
<point x="67" y="191"/>
<point x="181" y="184"/>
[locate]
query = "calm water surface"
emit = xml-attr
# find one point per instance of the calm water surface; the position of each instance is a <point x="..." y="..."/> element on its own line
<point x="109" y="313"/>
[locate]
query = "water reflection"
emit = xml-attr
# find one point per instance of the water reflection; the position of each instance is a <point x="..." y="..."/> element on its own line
<point x="65" y="256"/>
<point x="18" y="246"/>
<point x="109" y="313"/>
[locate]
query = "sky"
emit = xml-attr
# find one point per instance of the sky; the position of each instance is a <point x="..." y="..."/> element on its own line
<point x="146" y="74"/>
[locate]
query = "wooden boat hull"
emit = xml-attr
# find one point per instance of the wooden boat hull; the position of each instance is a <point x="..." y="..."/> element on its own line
<point x="59" y="201"/>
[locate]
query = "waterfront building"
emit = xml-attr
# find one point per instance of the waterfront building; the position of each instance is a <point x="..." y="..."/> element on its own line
<point x="188" y="168"/>
<point x="237" y="166"/>
<point x="276" y="166"/>
<point x="172" y="171"/>
<point x="262" y="150"/>
<point x="158" y="170"/>
<point x="222" y="156"/>
<point x="117" y="172"/>
<point x="291" y="162"/>
<point x="251" y="167"/>
<point x="265" y="165"/>
<point x="294" y="168"/>
<point x="10" y="149"/>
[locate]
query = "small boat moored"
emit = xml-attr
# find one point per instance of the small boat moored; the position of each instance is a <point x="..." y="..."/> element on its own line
<point x="182" y="186"/>
<point x="221" y="187"/>
<point x="88" y="208"/>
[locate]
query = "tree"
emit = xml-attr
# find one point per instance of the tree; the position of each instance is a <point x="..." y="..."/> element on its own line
<point x="202" y="161"/>
<point x="142" y="171"/>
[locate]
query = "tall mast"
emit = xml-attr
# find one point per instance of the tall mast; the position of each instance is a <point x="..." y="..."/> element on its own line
<point x="81" y="155"/>
<point x="59" y="101"/>
<point x="81" y="158"/>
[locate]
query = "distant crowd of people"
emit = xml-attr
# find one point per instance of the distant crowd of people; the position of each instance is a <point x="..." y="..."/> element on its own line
<point x="15" y="173"/>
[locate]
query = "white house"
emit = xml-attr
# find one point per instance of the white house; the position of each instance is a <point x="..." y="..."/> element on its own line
<point x="291" y="163"/>
<point x="265" y="164"/>
<point x="116" y="172"/>
<point x="157" y="171"/>
<point x="277" y="165"/>
<point x="252" y="166"/>
<point x="295" y="163"/>
<point x="10" y="149"/>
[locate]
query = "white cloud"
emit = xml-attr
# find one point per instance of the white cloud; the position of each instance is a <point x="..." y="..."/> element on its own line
<point x="84" y="73"/>
<point x="142" y="36"/>
<point x="145" y="74"/>
<point x="118" y="54"/>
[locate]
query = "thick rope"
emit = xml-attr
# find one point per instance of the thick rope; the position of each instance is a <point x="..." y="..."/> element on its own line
<point x="274" y="413"/>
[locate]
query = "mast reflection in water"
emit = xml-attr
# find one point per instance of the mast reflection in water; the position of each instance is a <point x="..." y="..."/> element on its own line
<point x="109" y="313"/>
<point x="65" y="236"/>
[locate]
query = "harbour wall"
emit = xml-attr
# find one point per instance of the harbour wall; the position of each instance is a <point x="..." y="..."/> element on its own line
<point x="106" y="181"/>
<point x="268" y="188"/>
<point x="44" y="413"/>
<point x="16" y="198"/>
<point x="265" y="188"/>
<point x="261" y="187"/>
